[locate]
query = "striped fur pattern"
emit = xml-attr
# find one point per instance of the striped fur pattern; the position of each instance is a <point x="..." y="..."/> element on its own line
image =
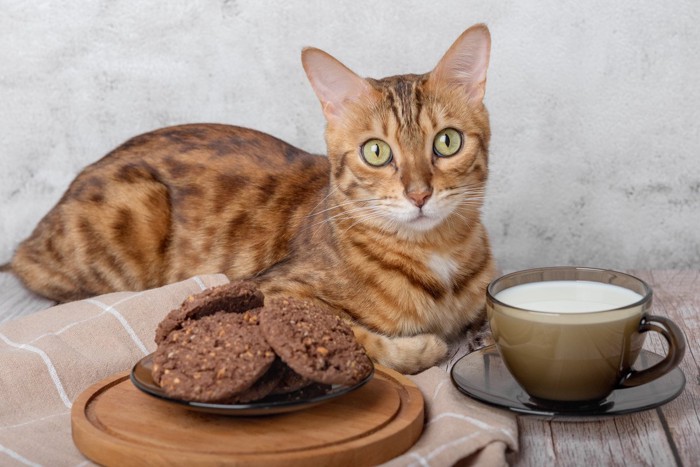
<point x="399" y="249"/>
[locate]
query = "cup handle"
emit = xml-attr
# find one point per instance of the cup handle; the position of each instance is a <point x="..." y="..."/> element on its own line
<point x="676" y="351"/>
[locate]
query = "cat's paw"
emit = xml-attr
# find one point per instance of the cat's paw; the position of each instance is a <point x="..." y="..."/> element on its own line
<point x="405" y="354"/>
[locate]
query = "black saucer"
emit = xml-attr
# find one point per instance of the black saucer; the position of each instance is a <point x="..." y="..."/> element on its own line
<point x="298" y="400"/>
<point x="483" y="376"/>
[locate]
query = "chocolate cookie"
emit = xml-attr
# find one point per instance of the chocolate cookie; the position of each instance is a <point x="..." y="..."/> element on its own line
<point x="262" y="387"/>
<point x="212" y="358"/>
<point x="290" y="381"/>
<point x="235" y="297"/>
<point x="314" y="342"/>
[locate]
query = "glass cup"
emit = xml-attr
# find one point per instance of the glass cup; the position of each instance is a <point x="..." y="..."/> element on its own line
<point x="572" y="334"/>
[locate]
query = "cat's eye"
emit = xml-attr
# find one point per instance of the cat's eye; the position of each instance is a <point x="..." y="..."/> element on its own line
<point x="376" y="152"/>
<point x="447" y="142"/>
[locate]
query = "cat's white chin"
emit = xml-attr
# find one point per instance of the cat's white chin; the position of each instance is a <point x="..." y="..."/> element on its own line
<point x="423" y="223"/>
<point x="412" y="220"/>
<point x="418" y="220"/>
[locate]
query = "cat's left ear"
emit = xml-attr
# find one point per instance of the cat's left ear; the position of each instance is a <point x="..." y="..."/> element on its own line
<point x="334" y="83"/>
<point x="465" y="62"/>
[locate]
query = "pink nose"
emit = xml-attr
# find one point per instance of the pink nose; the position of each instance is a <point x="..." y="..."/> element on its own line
<point x="419" y="198"/>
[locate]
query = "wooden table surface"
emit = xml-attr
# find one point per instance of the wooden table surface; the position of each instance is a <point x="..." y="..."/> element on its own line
<point x="666" y="436"/>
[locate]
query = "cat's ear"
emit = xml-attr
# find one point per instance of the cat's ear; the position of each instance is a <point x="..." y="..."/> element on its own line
<point x="464" y="64"/>
<point x="334" y="83"/>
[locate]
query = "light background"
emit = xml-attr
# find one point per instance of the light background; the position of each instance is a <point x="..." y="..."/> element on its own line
<point x="595" y="105"/>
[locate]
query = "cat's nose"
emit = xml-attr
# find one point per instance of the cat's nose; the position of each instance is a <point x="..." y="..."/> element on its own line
<point x="419" y="198"/>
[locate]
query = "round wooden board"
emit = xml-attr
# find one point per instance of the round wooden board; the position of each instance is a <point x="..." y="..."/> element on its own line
<point x="114" y="423"/>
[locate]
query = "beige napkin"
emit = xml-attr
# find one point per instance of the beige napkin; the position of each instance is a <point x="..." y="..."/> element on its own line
<point x="48" y="358"/>
<point x="458" y="428"/>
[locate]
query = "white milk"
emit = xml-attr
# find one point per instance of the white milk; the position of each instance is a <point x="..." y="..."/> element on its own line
<point x="567" y="296"/>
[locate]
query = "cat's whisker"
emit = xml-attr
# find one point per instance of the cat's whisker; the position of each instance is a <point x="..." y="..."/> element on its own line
<point x="370" y="212"/>
<point x="474" y="201"/>
<point x="460" y="215"/>
<point x="353" y="213"/>
<point x="467" y="197"/>
<point x="469" y="202"/>
<point x="347" y="213"/>
<point x="466" y="188"/>
<point x="338" y="206"/>
<point x="370" y="216"/>
<point x="450" y="221"/>
<point x="358" y="213"/>
<point x="465" y="193"/>
<point x="330" y="192"/>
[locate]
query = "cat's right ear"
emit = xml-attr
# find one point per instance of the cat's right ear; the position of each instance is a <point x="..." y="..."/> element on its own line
<point x="334" y="83"/>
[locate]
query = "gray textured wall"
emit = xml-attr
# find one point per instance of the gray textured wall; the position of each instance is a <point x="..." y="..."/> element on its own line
<point x="594" y="105"/>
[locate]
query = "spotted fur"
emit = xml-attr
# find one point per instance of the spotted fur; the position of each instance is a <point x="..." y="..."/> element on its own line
<point x="398" y="249"/>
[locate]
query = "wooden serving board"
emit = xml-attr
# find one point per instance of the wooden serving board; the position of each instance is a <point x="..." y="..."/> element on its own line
<point x="114" y="423"/>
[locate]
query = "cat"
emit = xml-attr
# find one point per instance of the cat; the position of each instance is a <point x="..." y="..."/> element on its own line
<point x="385" y="230"/>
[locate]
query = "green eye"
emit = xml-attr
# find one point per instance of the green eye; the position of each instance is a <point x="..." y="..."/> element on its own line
<point x="447" y="142"/>
<point x="376" y="152"/>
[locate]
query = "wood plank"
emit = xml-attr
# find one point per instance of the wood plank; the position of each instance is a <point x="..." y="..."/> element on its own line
<point x="666" y="436"/>
<point x="16" y="301"/>
<point x="635" y="439"/>
<point x="677" y="295"/>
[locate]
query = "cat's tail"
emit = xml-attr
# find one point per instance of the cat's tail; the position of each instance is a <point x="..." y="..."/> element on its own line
<point x="7" y="267"/>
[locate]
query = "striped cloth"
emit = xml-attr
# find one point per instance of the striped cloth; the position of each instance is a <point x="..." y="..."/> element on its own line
<point x="49" y="357"/>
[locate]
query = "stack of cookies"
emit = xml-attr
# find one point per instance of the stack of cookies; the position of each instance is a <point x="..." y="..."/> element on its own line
<point x="227" y="346"/>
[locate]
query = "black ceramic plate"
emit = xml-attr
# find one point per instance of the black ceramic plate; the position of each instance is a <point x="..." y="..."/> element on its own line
<point x="298" y="400"/>
<point x="483" y="376"/>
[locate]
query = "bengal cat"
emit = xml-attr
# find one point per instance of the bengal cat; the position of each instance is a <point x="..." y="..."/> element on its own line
<point x="385" y="230"/>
